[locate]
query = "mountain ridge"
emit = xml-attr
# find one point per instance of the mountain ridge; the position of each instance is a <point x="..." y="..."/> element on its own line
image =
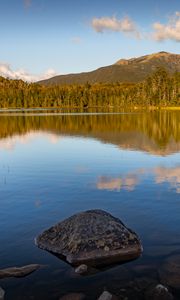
<point x="124" y="70"/>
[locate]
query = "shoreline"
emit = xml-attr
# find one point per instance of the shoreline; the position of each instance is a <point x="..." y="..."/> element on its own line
<point x="111" y="108"/>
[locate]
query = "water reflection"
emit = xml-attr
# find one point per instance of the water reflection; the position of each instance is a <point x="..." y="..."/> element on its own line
<point x="10" y="143"/>
<point x="116" y="184"/>
<point x="169" y="175"/>
<point x="155" y="132"/>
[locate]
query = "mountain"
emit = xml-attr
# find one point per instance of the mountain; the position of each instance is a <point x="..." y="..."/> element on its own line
<point x="124" y="70"/>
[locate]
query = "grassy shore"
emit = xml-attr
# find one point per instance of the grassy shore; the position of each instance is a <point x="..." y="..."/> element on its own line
<point x="98" y="108"/>
<point x="171" y="108"/>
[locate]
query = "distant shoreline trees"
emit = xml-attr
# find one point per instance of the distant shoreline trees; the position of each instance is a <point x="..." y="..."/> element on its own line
<point x="158" y="89"/>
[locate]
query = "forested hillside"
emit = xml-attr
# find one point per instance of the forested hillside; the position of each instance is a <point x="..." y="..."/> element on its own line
<point x="159" y="89"/>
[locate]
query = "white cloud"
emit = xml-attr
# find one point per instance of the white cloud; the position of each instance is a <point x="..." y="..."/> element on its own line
<point x="125" y="25"/>
<point x="7" y="72"/>
<point x="162" y="32"/>
<point x="169" y="31"/>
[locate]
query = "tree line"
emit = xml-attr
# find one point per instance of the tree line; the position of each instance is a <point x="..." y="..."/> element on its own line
<point x="158" y="89"/>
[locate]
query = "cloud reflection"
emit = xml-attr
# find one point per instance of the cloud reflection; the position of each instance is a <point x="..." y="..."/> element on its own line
<point x="11" y="143"/>
<point x="170" y="175"/>
<point x="116" y="184"/>
<point x="131" y="180"/>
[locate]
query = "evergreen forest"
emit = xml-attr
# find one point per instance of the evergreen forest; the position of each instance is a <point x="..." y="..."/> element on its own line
<point x="157" y="90"/>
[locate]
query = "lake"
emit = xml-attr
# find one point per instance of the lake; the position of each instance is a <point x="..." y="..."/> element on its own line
<point x="53" y="165"/>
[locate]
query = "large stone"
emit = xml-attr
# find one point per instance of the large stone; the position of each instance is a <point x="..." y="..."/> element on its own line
<point x="93" y="238"/>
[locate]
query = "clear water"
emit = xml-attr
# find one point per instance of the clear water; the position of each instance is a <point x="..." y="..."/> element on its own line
<point x="54" y="165"/>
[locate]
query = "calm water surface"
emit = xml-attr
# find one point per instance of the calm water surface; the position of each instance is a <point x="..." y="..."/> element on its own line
<point x="52" y="166"/>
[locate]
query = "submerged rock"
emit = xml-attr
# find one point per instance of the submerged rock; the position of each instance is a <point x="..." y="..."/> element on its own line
<point x="170" y="271"/>
<point x="105" y="296"/>
<point x="160" y="292"/>
<point x="73" y="296"/>
<point x="93" y="238"/>
<point x="82" y="269"/>
<point x="18" y="272"/>
<point x="2" y="294"/>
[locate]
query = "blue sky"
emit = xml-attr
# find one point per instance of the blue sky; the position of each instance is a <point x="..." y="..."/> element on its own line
<point x="81" y="35"/>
